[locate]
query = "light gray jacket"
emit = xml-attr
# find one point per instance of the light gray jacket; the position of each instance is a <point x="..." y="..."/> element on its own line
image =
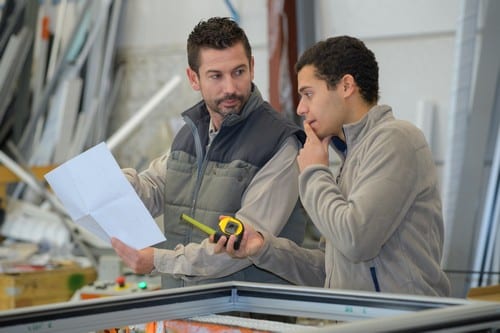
<point x="381" y="217"/>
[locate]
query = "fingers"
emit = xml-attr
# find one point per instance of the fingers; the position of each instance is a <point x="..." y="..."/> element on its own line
<point x="311" y="135"/>
<point x="220" y="245"/>
<point x="230" y="246"/>
<point x="141" y="261"/>
<point x="225" y="244"/>
<point x="123" y="251"/>
<point x="242" y="251"/>
<point x="115" y="242"/>
<point x="119" y="246"/>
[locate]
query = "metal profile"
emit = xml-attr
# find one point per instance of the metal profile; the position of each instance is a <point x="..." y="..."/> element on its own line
<point x="384" y="310"/>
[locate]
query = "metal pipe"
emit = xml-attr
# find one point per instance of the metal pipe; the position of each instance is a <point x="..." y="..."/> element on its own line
<point x="124" y="131"/>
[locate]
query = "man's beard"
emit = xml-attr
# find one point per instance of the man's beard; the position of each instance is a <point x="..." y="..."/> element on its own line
<point x="227" y="111"/>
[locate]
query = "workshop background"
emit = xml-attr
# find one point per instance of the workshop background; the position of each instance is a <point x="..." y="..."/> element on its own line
<point x="86" y="68"/>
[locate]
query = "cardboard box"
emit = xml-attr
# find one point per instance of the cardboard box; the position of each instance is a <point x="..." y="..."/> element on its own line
<point x="42" y="286"/>
<point x="488" y="293"/>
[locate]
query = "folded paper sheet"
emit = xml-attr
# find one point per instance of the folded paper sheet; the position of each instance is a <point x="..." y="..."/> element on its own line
<point x="98" y="197"/>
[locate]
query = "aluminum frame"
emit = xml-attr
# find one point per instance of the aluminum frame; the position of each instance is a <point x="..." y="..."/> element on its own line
<point x="370" y="310"/>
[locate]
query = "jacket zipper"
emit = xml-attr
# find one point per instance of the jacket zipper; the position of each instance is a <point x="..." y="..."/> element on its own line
<point x="343" y="157"/>
<point x="373" y="273"/>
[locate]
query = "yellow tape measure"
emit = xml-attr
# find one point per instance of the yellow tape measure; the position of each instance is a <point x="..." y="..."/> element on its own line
<point x="227" y="226"/>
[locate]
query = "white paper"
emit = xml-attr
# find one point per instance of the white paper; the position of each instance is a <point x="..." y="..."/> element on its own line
<point x="98" y="197"/>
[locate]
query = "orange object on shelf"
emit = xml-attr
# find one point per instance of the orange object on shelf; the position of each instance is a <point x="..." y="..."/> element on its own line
<point x="185" y="326"/>
<point x="8" y="177"/>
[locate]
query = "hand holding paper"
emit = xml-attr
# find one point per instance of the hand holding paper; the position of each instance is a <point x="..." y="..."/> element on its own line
<point x="97" y="196"/>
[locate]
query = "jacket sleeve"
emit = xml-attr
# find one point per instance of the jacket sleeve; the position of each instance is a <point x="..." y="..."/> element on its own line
<point x="150" y="184"/>
<point x="293" y="263"/>
<point x="360" y="222"/>
<point x="266" y="204"/>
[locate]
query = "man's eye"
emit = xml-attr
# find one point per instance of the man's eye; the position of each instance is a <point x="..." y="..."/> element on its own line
<point x="239" y="72"/>
<point x="215" y="76"/>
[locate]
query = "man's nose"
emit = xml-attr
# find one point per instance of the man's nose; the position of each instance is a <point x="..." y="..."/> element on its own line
<point x="229" y="85"/>
<point x="301" y="108"/>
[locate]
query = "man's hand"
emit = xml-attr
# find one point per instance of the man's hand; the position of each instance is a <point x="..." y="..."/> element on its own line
<point x="251" y="243"/>
<point x="141" y="261"/>
<point x="315" y="151"/>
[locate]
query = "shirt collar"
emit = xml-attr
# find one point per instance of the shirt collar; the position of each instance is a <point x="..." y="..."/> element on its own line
<point x="212" y="132"/>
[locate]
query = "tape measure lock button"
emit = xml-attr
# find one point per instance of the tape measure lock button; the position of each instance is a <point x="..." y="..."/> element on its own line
<point x="231" y="226"/>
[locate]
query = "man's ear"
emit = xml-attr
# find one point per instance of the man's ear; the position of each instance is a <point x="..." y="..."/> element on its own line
<point x="193" y="78"/>
<point x="348" y="85"/>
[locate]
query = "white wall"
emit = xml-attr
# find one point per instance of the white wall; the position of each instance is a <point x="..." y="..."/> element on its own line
<point x="153" y="24"/>
<point x="386" y="18"/>
<point x="413" y="42"/>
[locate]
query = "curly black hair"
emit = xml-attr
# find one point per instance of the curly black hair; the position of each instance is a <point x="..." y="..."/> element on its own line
<point x="337" y="56"/>
<point x="215" y="33"/>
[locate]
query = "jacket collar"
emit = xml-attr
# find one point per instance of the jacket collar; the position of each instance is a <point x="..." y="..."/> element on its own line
<point x="355" y="132"/>
<point x="253" y="103"/>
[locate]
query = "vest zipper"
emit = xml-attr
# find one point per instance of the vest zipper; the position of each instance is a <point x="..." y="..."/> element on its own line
<point x="201" y="163"/>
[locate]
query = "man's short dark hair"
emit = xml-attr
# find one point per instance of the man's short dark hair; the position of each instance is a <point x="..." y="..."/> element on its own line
<point x="215" y="33"/>
<point x="337" y="56"/>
